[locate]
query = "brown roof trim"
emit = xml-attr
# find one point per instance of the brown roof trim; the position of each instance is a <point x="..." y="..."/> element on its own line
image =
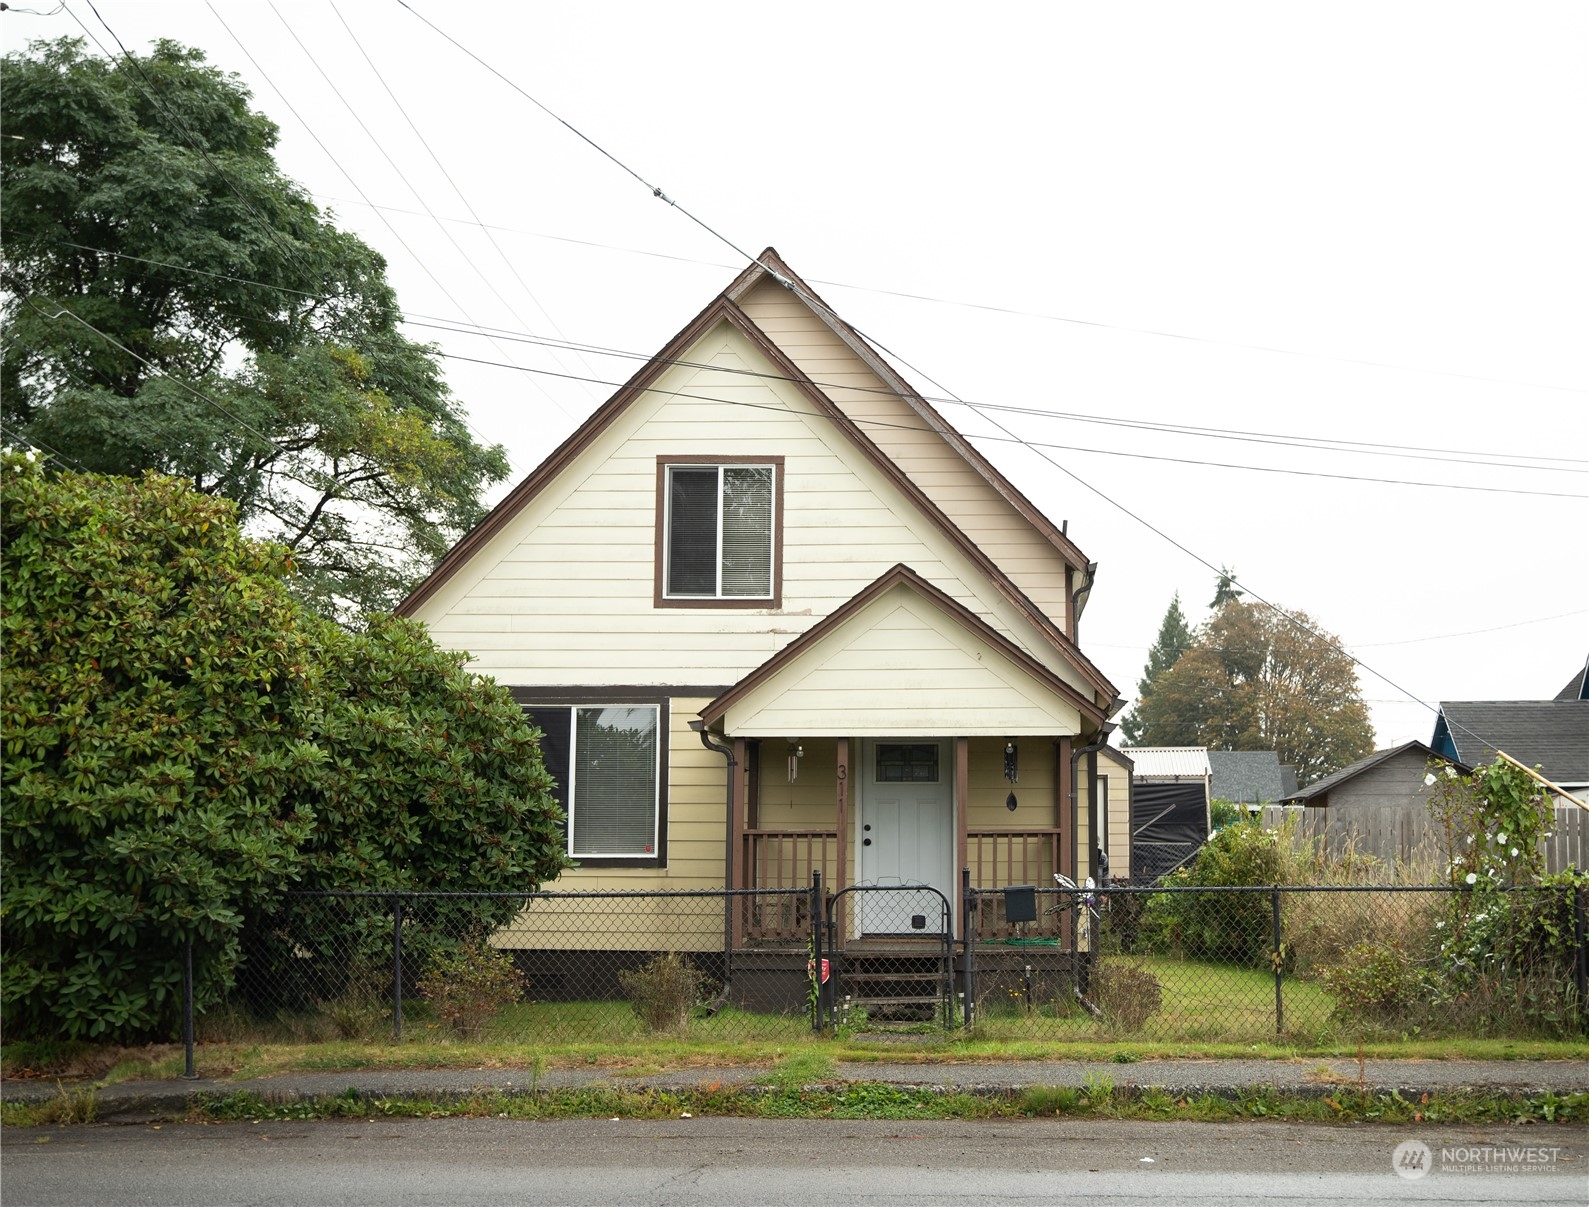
<point x="990" y="569"/>
<point x="876" y="362"/>
<point x="565" y="453"/>
<point x="719" y="309"/>
<point x="899" y="575"/>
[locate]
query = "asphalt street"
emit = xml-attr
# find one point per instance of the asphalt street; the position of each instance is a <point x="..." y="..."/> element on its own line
<point x="480" y="1162"/>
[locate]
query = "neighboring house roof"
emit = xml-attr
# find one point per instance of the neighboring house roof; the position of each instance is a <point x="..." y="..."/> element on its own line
<point x="1578" y="686"/>
<point x="725" y="309"/>
<point x="1249" y="776"/>
<point x="1552" y="735"/>
<point x="1170" y="762"/>
<point x="1322" y="788"/>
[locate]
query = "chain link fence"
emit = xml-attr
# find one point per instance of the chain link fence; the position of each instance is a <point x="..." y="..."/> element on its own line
<point x="1033" y="962"/>
<point x="549" y="968"/>
<point x="1297" y="962"/>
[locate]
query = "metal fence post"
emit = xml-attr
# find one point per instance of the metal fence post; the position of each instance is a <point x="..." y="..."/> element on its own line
<point x="816" y="948"/>
<point x="397" y="969"/>
<point x="1581" y="969"/>
<point x="187" y="1012"/>
<point x="1274" y="956"/>
<point x="968" y="939"/>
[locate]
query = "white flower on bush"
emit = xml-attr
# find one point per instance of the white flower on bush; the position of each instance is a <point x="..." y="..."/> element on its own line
<point x="1451" y="772"/>
<point x="1500" y="839"/>
<point x="1514" y="852"/>
<point x="1473" y="878"/>
<point x="1429" y="780"/>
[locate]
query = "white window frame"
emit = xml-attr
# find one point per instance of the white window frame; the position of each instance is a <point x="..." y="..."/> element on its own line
<point x="573" y="779"/>
<point x="773" y="469"/>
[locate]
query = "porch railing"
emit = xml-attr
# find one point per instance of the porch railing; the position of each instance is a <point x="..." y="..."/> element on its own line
<point x="784" y="859"/>
<point x="1000" y="857"/>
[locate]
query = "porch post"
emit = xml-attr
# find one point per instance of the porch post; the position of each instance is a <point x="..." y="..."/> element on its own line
<point x="741" y="867"/>
<point x="962" y="799"/>
<point x="841" y="874"/>
<point x="1065" y="857"/>
<point x="962" y="804"/>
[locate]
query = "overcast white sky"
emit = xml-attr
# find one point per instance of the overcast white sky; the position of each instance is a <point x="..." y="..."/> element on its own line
<point x="1343" y="222"/>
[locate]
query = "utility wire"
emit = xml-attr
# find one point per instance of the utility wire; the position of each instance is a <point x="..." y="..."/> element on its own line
<point x="396" y="234"/>
<point x="1012" y="311"/>
<point x="818" y="304"/>
<point x="1008" y="437"/>
<point x="1461" y="457"/>
<point x="656" y="190"/>
<point x="484" y="229"/>
<point x="185" y="132"/>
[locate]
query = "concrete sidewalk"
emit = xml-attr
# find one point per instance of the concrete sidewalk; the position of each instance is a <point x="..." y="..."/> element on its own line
<point x="133" y="1100"/>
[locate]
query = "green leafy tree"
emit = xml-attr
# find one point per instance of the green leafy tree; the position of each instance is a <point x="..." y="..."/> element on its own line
<point x="1174" y="639"/>
<point x="1254" y="679"/>
<point x="154" y="682"/>
<point x="173" y="302"/>
<point x="183" y="741"/>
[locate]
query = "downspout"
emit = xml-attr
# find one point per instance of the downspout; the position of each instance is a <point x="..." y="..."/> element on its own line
<point x="728" y="851"/>
<point x="1075" y="761"/>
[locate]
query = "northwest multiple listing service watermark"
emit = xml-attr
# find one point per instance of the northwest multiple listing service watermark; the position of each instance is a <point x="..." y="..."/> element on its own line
<point x="1415" y="1159"/>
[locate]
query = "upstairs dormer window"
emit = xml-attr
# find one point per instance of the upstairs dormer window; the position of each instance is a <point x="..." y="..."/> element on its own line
<point x="718" y="533"/>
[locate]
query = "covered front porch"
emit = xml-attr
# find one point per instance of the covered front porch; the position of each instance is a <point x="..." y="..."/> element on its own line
<point x="950" y="813"/>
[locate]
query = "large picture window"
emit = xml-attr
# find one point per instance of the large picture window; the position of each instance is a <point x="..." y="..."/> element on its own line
<point x="719" y="532"/>
<point x="606" y="761"/>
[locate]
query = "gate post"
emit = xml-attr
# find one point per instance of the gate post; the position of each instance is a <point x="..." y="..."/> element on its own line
<point x="815" y="971"/>
<point x="969" y="950"/>
<point x="397" y="969"/>
<point x="1274" y="956"/>
<point x="187" y="1013"/>
<point x="1581" y="964"/>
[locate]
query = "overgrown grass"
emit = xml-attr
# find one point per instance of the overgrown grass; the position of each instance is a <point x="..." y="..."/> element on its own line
<point x="814" y="1053"/>
<point x="1098" y="1098"/>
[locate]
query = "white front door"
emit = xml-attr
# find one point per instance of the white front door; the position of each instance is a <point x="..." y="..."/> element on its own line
<point x="906" y="831"/>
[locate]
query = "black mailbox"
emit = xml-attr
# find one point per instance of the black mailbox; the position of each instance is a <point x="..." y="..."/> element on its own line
<point x="1020" y="903"/>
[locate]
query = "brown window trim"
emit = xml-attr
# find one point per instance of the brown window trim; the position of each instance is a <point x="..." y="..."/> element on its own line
<point x="659" y="599"/>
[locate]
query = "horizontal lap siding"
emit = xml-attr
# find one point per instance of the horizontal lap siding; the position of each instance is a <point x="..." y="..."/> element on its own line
<point x="568" y="598"/>
<point x="901" y="668"/>
<point x="930" y="461"/>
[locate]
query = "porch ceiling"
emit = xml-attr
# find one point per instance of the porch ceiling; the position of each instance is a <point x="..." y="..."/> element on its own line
<point x="904" y="662"/>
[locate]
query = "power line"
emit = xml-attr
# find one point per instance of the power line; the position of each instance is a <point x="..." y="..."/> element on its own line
<point x="338" y="162"/>
<point x="1009" y="437"/>
<point x="1299" y="442"/>
<point x="656" y="190"/>
<point x="1012" y="311"/>
<point x="436" y="159"/>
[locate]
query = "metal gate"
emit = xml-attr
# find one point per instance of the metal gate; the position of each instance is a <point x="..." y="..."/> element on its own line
<point x="899" y="970"/>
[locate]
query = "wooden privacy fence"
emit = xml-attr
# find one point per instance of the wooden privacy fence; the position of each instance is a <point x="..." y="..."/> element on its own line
<point x="1406" y="833"/>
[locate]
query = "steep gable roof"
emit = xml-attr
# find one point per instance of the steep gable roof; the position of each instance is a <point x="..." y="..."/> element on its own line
<point x="1550" y="734"/>
<point x="720" y="310"/>
<point x="769" y="263"/>
<point x="1578" y="686"/>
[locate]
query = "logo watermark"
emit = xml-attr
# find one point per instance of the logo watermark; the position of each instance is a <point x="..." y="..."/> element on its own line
<point x="1415" y="1159"/>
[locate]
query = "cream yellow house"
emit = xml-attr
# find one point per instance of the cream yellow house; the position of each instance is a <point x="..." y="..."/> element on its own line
<point x="775" y="615"/>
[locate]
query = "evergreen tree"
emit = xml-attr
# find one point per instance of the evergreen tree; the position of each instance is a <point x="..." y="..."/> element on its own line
<point x="1175" y="638"/>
